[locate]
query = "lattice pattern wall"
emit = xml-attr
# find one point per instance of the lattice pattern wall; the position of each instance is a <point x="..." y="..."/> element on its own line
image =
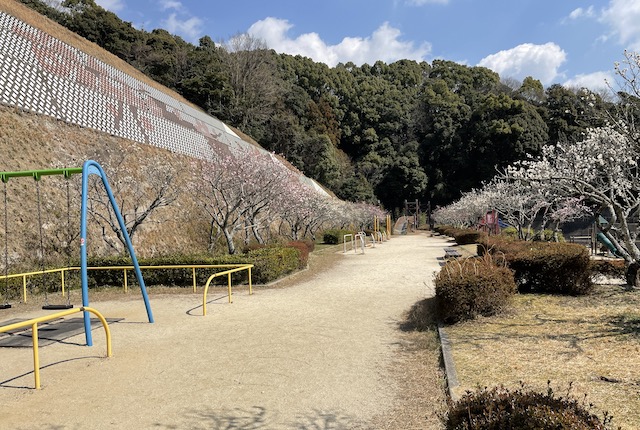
<point x="44" y="75"/>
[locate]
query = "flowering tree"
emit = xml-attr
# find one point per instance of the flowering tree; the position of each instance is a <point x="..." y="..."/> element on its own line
<point x="139" y="195"/>
<point x="466" y="211"/>
<point x="517" y="202"/>
<point x="523" y="204"/>
<point x="266" y="181"/>
<point x="301" y="209"/>
<point x="250" y="191"/>
<point x="221" y="197"/>
<point x="603" y="171"/>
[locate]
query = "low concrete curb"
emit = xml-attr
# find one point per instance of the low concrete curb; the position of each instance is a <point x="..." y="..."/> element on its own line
<point x="449" y="365"/>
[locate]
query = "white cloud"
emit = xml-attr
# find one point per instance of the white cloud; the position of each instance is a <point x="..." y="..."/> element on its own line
<point x="583" y="13"/>
<point x="112" y="5"/>
<point x="541" y="62"/>
<point x="623" y="17"/>
<point x="594" y="81"/>
<point x="423" y="2"/>
<point x="170" y="4"/>
<point x="384" y="44"/>
<point x="190" y="28"/>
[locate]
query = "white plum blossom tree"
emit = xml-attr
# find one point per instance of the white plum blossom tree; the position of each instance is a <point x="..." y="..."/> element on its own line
<point x="602" y="170"/>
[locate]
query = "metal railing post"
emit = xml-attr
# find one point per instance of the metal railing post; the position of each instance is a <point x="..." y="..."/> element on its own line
<point x="36" y="357"/>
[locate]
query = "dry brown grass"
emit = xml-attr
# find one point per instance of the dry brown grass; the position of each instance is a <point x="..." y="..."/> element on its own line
<point x="421" y="400"/>
<point x="592" y="341"/>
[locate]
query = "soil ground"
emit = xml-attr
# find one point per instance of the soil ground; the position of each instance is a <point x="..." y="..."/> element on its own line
<point x="323" y="350"/>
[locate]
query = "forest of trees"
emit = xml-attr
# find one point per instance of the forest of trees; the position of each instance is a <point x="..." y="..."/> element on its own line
<point x="373" y="133"/>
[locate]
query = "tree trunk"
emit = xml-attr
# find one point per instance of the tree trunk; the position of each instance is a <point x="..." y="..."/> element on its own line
<point x="256" y="234"/>
<point x="229" y="237"/>
<point x="633" y="274"/>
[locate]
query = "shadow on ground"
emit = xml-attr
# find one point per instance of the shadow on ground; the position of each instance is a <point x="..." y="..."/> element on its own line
<point x="257" y="418"/>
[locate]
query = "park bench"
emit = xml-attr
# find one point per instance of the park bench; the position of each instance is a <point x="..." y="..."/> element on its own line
<point x="451" y="253"/>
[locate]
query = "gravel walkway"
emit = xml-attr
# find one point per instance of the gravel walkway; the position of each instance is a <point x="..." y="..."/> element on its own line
<point x="316" y="354"/>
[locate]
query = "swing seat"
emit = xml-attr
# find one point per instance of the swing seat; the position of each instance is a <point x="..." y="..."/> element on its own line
<point x="57" y="307"/>
<point x="5" y="306"/>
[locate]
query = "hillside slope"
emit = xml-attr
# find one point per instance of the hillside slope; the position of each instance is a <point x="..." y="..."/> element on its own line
<point x="29" y="141"/>
<point x="65" y="101"/>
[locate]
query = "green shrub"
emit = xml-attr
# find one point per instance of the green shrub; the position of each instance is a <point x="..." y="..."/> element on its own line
<point x="467" y="236"/>
<point x="462" y="236"/>
<point x="549" y="236"/>
<point x="468" y="288"/>
<point x="502" y="245"/>
<point x="609" y="268"/>
<point x="273" y="263"/>
<point x="500" y="408"/>
<point x="544" y="267"/>
<point x="334" y="236"/>
<point x="445" y="230"/>
<point x="510" y="232"/>
<point x="270" y="263"/>
<point x="549" y="267"/>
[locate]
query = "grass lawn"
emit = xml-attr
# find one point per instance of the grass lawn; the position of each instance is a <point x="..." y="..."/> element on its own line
<point x="591" y="342"/>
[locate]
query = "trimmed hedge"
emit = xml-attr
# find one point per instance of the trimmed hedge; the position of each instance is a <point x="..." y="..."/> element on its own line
<point x="462" y="236"/>
<point x="468" y="288"/>
<point x="609" y="268"/>
<point x="468" y="236"/>
<point x="273" y="263"/>
<point x="303" y="252"/>
<point x="270" y="263"/>
<point x="446" y="230"/>
<point x="544" y="267"/>
<point x="499" y="408"/>
<point x="335" y="236"/>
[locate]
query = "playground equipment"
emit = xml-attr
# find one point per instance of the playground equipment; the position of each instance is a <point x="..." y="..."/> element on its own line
<point x="47" y="305"/>
<point x="490" y="223"/>
<point x="5" y="294"/>
<point x="401" y="225"/>
<point x="606" y="242"/>
<point x="380" y="234"/>
<point x="412" y="214"/>
<point x="33" y="323"/>
<point x="238" y="268"/>
<point x="89" y="167"/>
<point x="602" y="223"/>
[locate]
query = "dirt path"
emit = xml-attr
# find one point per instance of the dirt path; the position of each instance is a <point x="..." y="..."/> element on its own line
<point x="317" y="354"/>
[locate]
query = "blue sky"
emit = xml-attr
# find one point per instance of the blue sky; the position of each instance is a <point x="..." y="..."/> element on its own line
<point x="570" y="42"/>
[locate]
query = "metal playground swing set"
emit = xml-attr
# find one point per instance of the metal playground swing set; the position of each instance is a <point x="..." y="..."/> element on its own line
<point x="89" y="167"/>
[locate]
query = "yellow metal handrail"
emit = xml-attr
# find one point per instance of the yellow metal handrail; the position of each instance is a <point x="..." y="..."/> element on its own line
<point x="63" y="270"/>
<point x="39" y="272"/>
<point x="34" y="333"/>
<point x="246" y="267"/>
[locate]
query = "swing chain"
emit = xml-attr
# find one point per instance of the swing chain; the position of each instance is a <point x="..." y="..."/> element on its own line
<point x="42" y="265"/>
<point x="6" y="247"/>
<point x="69" y="235"/>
